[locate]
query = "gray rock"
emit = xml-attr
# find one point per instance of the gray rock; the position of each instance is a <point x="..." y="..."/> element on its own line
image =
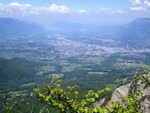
<point x="124" y="90"/>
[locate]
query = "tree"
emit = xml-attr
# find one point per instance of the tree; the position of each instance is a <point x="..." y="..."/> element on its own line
<point x="67" y="101"/>
<point x="133" y="102"/>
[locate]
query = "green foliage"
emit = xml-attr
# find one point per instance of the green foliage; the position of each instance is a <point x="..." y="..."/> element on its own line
<point x="21" y="104"/>
<point x="57" y="99"/>
<point x="133" y="102"/>
<point x="9" y="103"/>
<point x="129" y="104"/>
<point x="67" y="101"/>
<point x="12" y="70"/>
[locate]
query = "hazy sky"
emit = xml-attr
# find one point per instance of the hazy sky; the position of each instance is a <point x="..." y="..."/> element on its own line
<point x="76" y="4"/>
<point x="103" y="12"/>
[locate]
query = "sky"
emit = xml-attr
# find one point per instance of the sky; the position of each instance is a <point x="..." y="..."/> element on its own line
<point x="99" y="12"/>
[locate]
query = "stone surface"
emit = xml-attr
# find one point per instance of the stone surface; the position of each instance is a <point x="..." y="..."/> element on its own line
<point x="123" y="91"/>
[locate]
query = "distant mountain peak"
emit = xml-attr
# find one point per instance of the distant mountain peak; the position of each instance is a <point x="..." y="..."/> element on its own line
<point x="136" y="33"/>
<point x="15" y="26"/>
<point x="141" y="20"/>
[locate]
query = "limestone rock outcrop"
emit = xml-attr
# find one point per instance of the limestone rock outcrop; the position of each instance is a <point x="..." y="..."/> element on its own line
<point x="125" y="89"/>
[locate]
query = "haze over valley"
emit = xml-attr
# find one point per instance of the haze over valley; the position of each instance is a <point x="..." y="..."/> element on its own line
<point x="79" y="50"/>
<point x="94" y="48"/>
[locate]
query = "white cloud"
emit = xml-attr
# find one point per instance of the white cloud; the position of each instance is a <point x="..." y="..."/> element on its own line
<point x="59" y="9"/>
<point x="20" y="9"/>
<point x="137" y="8"/>
<point x="135" y="2"/>
<point x="17" y="9"/>
<point x="146" y="3"/>
<point x="140" y="5"/>
<point x="105" y="9"/>
<point x="82" y="11"/>
<point x="109" y="11"/>
<point x="119" y="11"/>
<point x="16" y="4"/>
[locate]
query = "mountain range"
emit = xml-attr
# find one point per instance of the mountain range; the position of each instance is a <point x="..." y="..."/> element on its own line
<point x="14" y="26"/>
<point x="139" y="28"/>
<point x="134" y="34"/>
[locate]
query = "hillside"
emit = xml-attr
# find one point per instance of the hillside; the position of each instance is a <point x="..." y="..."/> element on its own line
<point x="137" y="32"/>
<point x="14" y="26"/>
<point x="131" y="98"/>
<point x="138" y="29"/>
<point x="91" y="61"/>
<point x="14" y="72"/>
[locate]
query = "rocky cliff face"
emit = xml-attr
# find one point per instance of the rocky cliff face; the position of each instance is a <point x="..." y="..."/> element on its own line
<point x="120" y="91"/>
<point x="128" y="88"/>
